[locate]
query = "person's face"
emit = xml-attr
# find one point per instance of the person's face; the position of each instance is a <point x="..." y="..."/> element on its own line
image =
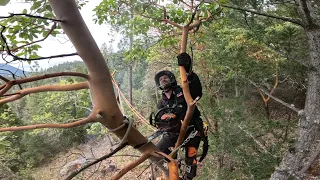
<point x="164" y="81"/>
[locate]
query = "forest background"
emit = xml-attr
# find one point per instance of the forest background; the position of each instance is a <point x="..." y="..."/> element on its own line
<point x="248" y="48"/>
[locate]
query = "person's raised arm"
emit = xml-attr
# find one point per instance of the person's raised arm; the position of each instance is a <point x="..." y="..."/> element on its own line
<point x="194" y="82"/>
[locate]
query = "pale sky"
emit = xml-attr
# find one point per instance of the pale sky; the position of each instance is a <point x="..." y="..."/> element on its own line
<point x="51" y="46"/>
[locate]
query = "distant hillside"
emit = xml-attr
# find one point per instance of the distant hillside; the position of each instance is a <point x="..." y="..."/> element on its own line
<point x="7" y="70"/>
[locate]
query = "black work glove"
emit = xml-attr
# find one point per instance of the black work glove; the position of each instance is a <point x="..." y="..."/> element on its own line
<point x="184" y="60"/>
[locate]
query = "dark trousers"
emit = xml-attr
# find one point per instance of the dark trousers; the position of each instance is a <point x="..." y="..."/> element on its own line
<point x="169" y="139"/>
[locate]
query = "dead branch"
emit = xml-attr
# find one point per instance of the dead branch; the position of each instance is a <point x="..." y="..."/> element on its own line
<point x="22" y="93"/>
<point x="73" y="174"/>
<point x="265" y="100"/>
<point x="299" y="111"/>
<point x="255" y="140"/>
<point x="78" y="122"/>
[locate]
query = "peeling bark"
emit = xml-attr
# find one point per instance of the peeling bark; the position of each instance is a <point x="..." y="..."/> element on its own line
<point x="101" y="89"/>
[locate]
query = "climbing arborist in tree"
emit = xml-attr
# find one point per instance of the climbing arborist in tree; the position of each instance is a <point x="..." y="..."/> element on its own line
<point x="171" y="111"/>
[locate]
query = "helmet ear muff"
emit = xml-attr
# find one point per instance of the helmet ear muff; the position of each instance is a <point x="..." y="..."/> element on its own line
<point x="173" y="81"/>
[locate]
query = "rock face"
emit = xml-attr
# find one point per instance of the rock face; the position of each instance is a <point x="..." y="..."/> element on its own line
<point x="7" y="174"/>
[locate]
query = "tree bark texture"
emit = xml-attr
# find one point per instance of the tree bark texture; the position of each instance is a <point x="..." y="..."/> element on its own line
<point x="101" y="89"/>
<point x="295" y="163"/>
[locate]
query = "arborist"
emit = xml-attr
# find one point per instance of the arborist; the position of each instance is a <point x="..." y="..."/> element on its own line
<point x="172" y="109"/>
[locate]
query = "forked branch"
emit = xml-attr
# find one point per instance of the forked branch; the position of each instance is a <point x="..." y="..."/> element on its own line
<point x="299" y="111"/>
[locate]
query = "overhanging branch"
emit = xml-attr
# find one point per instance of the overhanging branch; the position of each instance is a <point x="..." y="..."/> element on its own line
<point x="264" y="14"/>
<point x="41" y="58"/>
<point x="258" y="13"/>
<point x="9" y="84"/>
<point x="29" y="59"/>
<point x="79" y="122"/>
<point x="31" y="16"/>
<point x="22" y="93"/>
<point x="30" y="43"/>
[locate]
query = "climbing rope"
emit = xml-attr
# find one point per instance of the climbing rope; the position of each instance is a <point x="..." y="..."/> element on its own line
<point x="142" y="119"/>
<point x="125" y="122"/>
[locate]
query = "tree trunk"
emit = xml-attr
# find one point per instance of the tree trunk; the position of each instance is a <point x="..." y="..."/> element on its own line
<point x="103" y="97"/>
<point x="296" y="162"/>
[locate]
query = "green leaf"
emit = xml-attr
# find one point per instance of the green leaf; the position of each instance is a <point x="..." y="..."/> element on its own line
<point x="24" y="11"/>
<point x="4" y="2"/>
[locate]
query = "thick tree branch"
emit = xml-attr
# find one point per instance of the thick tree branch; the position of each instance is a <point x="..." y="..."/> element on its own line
<point x="79" y="122"/>
<point x="22" y="93"/>
<point x="101" y="89"/>
<point x="46" y="76"/>
<point x="186" y="92"/>
<point x="36" y="78"/>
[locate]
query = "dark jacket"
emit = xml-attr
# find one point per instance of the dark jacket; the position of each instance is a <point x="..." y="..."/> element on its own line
<point x="178" y="102"/>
